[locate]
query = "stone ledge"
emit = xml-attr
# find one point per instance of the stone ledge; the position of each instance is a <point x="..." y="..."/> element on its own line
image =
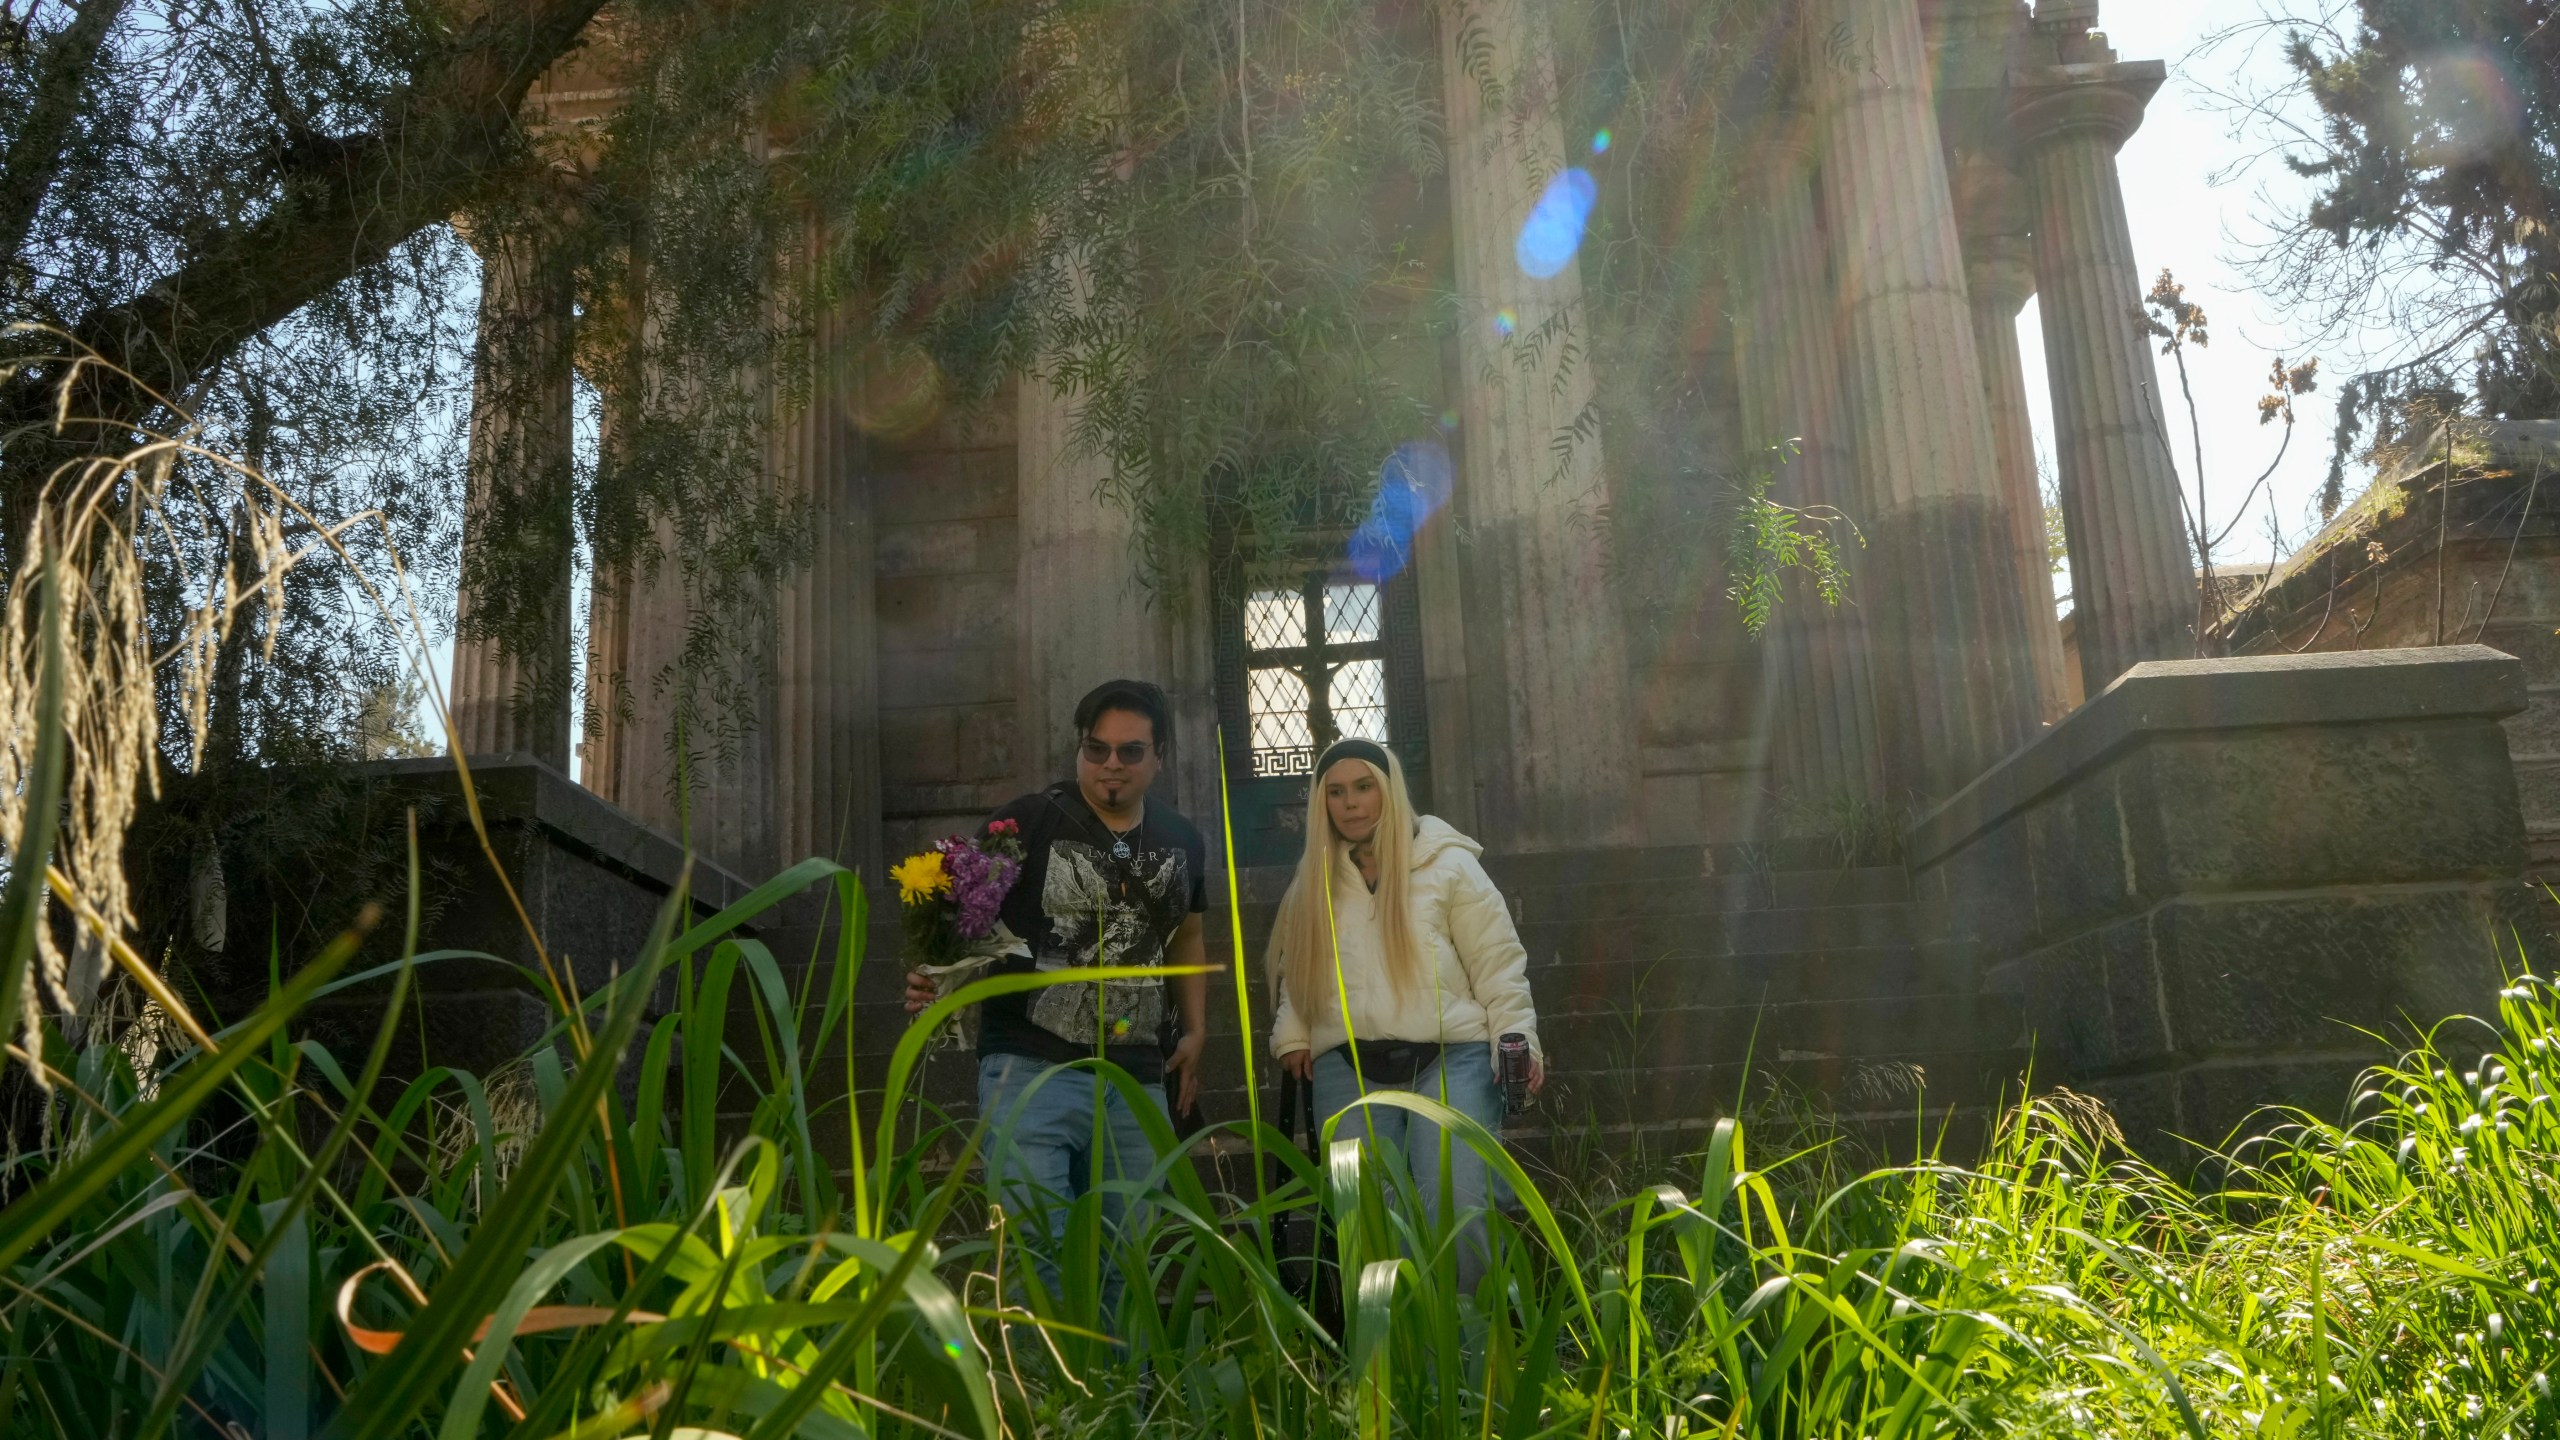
<point x="2162" y="697"/>
<point x="517" y="788"/>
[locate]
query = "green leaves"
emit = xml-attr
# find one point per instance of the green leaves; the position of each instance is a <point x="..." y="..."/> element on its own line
<point x="1765" y="540"/>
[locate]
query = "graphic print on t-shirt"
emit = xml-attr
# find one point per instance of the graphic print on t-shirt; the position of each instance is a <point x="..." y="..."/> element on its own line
<point x="1103" y="910"/>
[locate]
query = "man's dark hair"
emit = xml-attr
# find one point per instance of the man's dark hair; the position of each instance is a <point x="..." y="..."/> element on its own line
<point x="1135" y="696"/>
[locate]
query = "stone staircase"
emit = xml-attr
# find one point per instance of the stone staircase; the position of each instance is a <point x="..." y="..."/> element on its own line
<point x="1674" y="986"/>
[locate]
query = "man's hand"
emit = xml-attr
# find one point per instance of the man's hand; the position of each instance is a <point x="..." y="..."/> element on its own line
<point x="919" y="992"/>
<point x="1191" y="992"/>
<point x="1185" y="1063"/>
<point x="1537" y="1075"/>
<point x="1301" y="1063"/>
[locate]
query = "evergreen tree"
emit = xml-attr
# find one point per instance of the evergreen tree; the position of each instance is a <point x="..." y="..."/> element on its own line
<point x="2437" y="157"/>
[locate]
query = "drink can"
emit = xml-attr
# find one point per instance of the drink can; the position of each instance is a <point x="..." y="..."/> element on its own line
<point x="1512" y="1052"/>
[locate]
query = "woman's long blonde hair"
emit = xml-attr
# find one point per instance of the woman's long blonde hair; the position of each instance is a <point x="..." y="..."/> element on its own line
<point x="1302" y="953"/>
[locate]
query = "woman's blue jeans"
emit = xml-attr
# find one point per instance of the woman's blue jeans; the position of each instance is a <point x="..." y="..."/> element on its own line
<point x="1463" y="1079"/>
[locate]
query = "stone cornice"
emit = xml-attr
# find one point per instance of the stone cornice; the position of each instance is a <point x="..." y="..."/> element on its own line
<point x="2057" y="102"/>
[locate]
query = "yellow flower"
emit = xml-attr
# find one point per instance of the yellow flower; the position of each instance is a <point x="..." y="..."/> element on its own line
<point x="920" y="877"/>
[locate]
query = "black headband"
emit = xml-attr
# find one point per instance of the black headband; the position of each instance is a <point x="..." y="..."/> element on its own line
<point x="1353" y="748"/>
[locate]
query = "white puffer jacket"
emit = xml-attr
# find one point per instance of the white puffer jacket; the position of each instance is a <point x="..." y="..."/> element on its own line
<point x="1475" y="981"/>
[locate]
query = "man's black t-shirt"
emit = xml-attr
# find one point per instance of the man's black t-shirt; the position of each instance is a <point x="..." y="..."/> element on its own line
<point x="1080" y="901"/>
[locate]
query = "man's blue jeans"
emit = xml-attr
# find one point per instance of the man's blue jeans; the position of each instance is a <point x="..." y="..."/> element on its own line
<point x="1462" y="1078"/>
<point x="1041" y="1158"/>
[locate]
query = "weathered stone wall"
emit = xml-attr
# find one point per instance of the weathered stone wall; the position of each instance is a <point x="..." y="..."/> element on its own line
<point x="944" y="502"/>
<point x="2206" y="884"/>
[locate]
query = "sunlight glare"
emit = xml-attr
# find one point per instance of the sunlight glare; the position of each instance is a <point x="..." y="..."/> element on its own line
<point x="1553" y="231"/>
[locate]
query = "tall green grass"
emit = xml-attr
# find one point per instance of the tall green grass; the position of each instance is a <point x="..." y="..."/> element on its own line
<point x="259" y="1237"/>
<point x="610" y="1268"/>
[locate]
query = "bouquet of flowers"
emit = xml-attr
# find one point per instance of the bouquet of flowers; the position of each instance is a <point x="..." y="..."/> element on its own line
<point x="948" y="896"/>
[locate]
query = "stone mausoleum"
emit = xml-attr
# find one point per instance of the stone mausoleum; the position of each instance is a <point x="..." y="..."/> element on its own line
<point x="2178" y="895"/>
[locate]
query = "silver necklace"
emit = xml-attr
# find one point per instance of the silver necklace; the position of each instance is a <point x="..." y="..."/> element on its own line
<point x="1119" y="839"/>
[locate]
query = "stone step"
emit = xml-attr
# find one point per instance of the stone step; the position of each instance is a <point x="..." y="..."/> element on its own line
<point x="1616" y="895"/>
<point x="1888" y="1028"/>
<point x="1815" y="889"/>
<point x="1709" y="933"/>
<point x="1779" y="890"/>
<point x="1561" y="1158"/>
<point x="1676" y="1093"/>
<point x="1660" y="931"/>
<point x="1585" y="867"/>
<point x="1848" y="974"/>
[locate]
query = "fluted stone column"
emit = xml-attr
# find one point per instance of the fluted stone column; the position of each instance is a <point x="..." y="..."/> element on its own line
<point x="1999" y="269"/>
<point x="1560" y="719"/>
<point x="1085" y="613"/>
<point x="602" y="731"/>
<point x="518" y="542"/>
<point x="1823" y="740"/>
<point x="703" y="773"/>
<point x="2132" y="574"/>
<point x="826" y="735"/>
<point x="703" y="770"/>
<point x="1955" y="674"/>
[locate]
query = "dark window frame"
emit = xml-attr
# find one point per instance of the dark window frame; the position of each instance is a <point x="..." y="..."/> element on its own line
<point x="1269" y="807"/>
<point x="1315" y="663"/>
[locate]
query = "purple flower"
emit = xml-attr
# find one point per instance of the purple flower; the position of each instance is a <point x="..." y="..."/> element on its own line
<point x="979" y="883"/>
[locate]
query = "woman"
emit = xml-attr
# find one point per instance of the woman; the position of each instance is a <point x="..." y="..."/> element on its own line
<point x="1391" y="918"/>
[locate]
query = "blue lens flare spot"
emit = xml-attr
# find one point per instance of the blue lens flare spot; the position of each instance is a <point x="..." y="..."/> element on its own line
<point x="1553" y="231"/>
<point x="951" y="1348"/>
<point x="1600" y="143"/>
<point x="1505" y="320"/>
<point x="1414" y="485"/>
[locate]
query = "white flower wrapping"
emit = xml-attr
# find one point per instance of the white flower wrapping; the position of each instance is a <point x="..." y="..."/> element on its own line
<point x="960" y="1030"/>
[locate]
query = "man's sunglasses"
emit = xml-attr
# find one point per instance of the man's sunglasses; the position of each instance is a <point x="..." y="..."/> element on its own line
<point x="1131" y="752"/>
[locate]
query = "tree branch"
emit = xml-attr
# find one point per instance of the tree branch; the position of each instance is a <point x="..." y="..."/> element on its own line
<point x="28" y="172"/>
<point x="444" y="141"/>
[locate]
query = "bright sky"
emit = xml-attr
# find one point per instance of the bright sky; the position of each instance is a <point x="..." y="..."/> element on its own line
<point x="2191" y="215"/>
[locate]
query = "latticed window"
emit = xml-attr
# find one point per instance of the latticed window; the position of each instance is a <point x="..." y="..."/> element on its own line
<point x="1306" y="657"/>
<point x="1315" y="668"/>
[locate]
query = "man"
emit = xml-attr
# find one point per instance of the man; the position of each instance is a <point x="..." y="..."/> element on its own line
<point x="1108" y="878"/>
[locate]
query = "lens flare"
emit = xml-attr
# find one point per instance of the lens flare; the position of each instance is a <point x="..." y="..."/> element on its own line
<point x="1413" y="485"/>
<point x="1448" y="420"/>
<point x="2469" y="107"/>
<point x="1600" y="143"/>
<point x="895" y="390"/>
<point x="1505" y="320"/>
<point x="1553" y="231"/>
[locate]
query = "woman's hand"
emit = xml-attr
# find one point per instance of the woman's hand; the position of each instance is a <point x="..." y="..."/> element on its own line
<point x="919" y="992"/>
<point x="1537" y="1075"/>
<point x="1301" y="1063"/>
